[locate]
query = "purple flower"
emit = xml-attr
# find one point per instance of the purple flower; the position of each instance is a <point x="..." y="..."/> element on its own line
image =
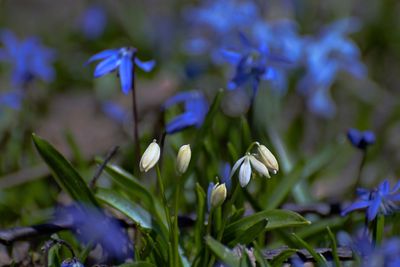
<point x="93" y="22"/>
<point x="360" y="139"/>
<point x="122" y="59"/>
<point x="29" y="58"/>
<point x="381" y="199"/>
<point x="196" y="108"/>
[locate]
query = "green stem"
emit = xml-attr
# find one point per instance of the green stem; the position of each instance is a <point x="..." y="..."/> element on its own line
<point x="175" y="232"/>
<point x="361" y="167"/>
<point x="167" y="214"/>
<point x="379" y="224"/>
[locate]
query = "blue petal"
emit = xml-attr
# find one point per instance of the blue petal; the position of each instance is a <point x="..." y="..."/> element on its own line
<point x="374" y="207"/>
<point x="104" y="54"/>
<point x="209" y="190"/>
<point x="360" y="204"/>
<point x="145" y="65"/>
<point x="106" y="66"/>
<point x="114" y="111"/>
<point x="126" y="74"/>
<point x="180" y="97"/>
<point x="231" y="56"/>
<point x="354" y="136"/>
<point x="384" y="187"/>
<point x="181" y="122"/>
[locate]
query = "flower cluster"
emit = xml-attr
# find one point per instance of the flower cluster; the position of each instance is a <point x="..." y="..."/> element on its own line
<point x="263" y="162"/>
<point x="380" y="200"/>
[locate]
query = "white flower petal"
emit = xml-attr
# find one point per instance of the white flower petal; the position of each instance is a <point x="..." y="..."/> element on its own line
<point x="245" y="172"/>
<point x="236" y="166"/>
<point x="150" y="157"/>
<point x="259" y="167"/>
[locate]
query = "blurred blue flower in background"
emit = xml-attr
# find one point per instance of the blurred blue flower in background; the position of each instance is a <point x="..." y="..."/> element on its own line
<point x="115" y="111"/>
<point x="11" y="99"/>
<point x="326" y="55"/>
<point x="253" y="64"/>
<point x="386" y="254"/>
<point x="29" y="58"/>
<point x="223" y="16"/>
<point x="92" y="225"/>
<point x="209" y="191"/>
<point x="360" y="139"/>
<point x="93" y="22"/>
<point x="123" y="59"/>
<point x="195" y="106"/>
<point x="381" y="199"/>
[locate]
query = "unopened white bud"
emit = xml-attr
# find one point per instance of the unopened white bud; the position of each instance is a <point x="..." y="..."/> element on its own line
<point x="268" y="159"/>
<point x="150" y="157"/>
<point x="218" y="195"/>
<point x="183" y="159"/>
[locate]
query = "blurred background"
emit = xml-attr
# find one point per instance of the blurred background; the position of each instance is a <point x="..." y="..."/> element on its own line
<point x="358" y="41"/>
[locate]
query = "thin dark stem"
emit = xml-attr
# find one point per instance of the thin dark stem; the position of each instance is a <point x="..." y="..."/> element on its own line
<point x="135" y="122"/>
<point x="96" y="176"/>
<point x="360" y="169"/>
<point x="162" y="142"/>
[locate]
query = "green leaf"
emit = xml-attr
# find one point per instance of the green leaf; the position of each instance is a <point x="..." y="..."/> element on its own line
<point x="299" y="173"/>
<point x="334" y="248"/>
<point x="223" y="253"/>
<point x="133" y="211"/>
<point x="276" y="219"/>
<point x="248" y="235"/>
<point x="64" y="174"/>
<point x="132" y="185"/>
<point x="282" y="257"/>
<point x="320" y="226"/>
<point x="201" y="210"/>
<point x="321" y="261"/>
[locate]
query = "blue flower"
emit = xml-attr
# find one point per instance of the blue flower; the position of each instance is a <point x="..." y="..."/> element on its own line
<point x="11" y="99"/>
<point x="196" y="108"/>
<point x="252" y="65"/>
<point x="71" y="263"/>
<point x="29" y="58"/>
<point x="121" y="59"/>
<point x="92" y="225"/>
<point x="360" y="139"/>
<point x="225" y="172"/>
<point x="115" y="111"/>
<point x="223" y="16"/>
<point x="93" y="22"/>
<point x="387" y="254"/>
<point x="381" y="199"/>
<point x="326" y="56"/>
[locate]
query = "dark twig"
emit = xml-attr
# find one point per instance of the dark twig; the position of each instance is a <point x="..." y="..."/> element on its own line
<point x="96" y="176"/>
<point x="135" y="119"/>
<point x="344" y="253"/>
<point x="51" y="243"/>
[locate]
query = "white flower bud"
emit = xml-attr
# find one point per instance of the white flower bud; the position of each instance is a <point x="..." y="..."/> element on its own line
<point x="218" y="195"/>
<point x="183" y="159"/>
<point x="268" y="159"/>
<point x="150" y="157"/>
